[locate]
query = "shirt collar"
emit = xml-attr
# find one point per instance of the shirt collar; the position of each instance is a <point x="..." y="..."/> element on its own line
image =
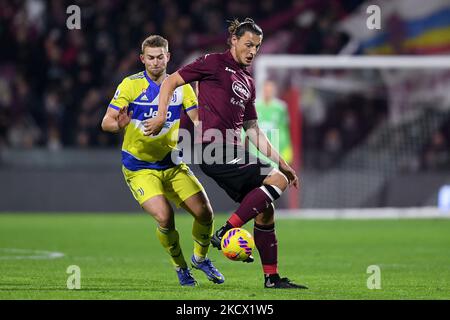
<point x="151" y="81"/>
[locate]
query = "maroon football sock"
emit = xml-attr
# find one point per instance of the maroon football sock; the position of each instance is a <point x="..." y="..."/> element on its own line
<point x="267" y="245"/>
<point x="255" y="202"/>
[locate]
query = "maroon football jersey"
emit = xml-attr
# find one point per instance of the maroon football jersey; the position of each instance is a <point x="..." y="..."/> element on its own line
<point x="226" y="95"/>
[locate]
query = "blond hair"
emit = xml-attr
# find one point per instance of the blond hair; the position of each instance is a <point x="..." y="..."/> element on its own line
<point x="155" y="41"/>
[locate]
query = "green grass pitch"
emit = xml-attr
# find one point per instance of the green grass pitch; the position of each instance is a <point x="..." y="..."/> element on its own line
<point x="121" y="258"/>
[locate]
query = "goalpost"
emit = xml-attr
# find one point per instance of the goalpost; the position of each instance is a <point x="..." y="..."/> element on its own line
<point x="412" y="84"/>
<point x="282" y="61"/>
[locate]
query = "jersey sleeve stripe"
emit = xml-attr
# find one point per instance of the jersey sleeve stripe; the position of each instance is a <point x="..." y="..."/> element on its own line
<point x="114" y="107"/>
<point x="190" y="108"/>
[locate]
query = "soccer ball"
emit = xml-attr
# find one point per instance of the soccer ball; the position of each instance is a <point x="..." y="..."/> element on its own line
<point x="237" y="244"/>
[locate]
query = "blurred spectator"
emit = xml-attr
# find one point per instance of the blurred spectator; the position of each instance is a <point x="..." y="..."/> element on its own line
<point x="332" y="148"/>
<point x="23" y="134"/>
<point x="436" y="155"/>
<point x="350" y="129"/>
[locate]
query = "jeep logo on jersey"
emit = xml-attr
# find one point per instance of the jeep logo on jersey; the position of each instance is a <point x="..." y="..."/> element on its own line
<point x="152" y="113"/>
<point x="241" y="90"/>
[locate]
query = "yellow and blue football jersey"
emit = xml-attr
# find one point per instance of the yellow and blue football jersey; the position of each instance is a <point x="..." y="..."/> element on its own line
<point x="141" y="95"/>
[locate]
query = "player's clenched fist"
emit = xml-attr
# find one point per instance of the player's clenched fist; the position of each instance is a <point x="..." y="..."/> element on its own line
<point x="153" y="126"/>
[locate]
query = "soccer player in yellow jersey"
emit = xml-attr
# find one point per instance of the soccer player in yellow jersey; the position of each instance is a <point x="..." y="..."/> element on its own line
<point x="151" y="164"/>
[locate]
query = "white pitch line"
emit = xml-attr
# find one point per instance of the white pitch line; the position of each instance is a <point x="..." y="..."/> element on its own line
<point x="29" y="254"/>
<point x="364" y="213"/>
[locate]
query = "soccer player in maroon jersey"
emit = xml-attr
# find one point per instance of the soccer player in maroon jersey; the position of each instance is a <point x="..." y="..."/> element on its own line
<point x="226" y="105"/>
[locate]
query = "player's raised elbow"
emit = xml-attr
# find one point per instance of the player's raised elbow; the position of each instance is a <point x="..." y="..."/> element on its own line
<point x="104" y="126"/>
<point x="109" y="124"/>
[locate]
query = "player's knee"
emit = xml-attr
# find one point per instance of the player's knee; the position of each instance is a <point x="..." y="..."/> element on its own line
<point x="278" y="180"/>
<point x="205" y="214"/>
<point x="282" y="181"/>
<point x="161" y="211"/>
<point x="165" y="220"/>
<point x="166" y="224"/>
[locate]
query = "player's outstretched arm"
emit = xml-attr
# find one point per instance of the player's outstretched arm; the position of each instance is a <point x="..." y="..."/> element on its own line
<point x="259" y="139"/>
<point x="114" y="120"/>
<point x="154" y="125"/>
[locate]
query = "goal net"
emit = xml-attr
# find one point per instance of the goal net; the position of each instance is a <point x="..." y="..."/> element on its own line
<point x="366" y="131"/>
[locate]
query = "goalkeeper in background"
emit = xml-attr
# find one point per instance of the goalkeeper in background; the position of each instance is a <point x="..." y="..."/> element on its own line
<point x="273" y="119"/>
<point x="152" y="166"/>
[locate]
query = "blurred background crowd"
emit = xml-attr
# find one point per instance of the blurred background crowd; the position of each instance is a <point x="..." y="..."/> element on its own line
<point x="55" y="83"/>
